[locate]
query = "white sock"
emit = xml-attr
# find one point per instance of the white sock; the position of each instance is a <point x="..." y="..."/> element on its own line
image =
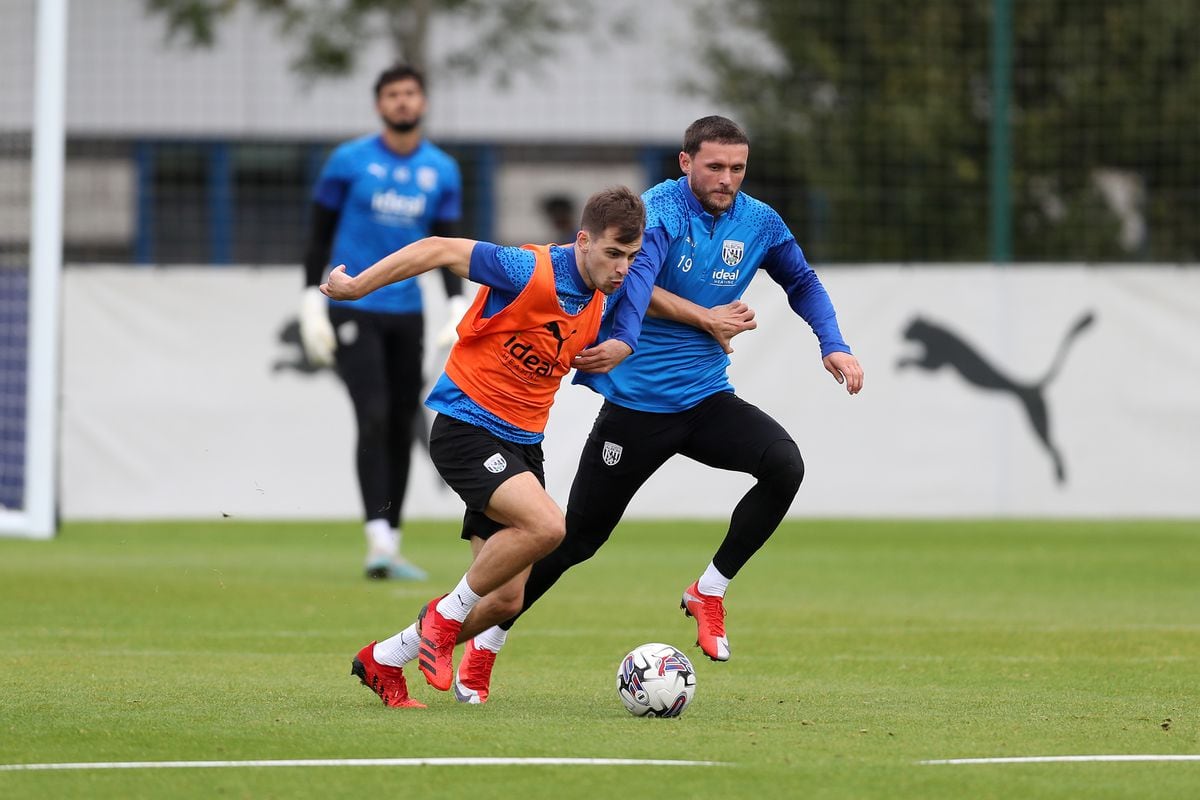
<point x="400" y="649"/>
<point x="491" y="639"/>
<point x="712" y="582"/>
<point x="459" y="602"/>
<point x="381" y="539"/>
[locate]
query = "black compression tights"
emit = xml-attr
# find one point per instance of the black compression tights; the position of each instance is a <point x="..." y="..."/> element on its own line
<point x="761" y="510"/>
<point x="755" y="518"/>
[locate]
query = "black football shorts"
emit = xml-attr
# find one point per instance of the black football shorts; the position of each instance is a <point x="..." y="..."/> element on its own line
<point x="474" y="462"/>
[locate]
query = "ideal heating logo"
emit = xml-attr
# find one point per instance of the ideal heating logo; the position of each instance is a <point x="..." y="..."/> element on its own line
<point x="941" y="347"/>
<point x="533" y="363"/>
<point x="724" y="277"/>
<point x="392" y="203"/>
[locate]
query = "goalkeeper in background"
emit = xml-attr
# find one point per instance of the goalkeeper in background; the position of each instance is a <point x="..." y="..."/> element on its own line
<point x="376" y="194"/>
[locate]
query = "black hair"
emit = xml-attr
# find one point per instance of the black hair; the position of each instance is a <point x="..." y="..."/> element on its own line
<point x="399" y="72"/>
<point x="712" y="129"/>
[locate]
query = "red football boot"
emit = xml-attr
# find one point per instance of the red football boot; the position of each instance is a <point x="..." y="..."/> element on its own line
<point x="474" y="674"/>
<point x="709" y="611"/>
<point x="438" y="637"/>
<point x="384" y="680"/>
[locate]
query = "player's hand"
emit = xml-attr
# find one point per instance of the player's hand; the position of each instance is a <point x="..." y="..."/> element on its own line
<point x="339" y="285"/>
<point x="316" y="331"/>
<point x="845" y="369"/>
<point x="727" y="321"/>
<point x="456" y="306"/>
<point x="603" y="357"/>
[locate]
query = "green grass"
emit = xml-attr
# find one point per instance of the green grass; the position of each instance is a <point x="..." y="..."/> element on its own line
<point x="860" y="649"/>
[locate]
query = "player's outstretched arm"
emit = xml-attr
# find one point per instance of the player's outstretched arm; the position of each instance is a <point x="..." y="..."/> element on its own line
<point x="722" y="322"/>
<point x="407" y="262"/>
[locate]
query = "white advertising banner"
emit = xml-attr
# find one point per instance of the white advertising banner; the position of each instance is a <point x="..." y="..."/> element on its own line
<point x="1044" y="391"/>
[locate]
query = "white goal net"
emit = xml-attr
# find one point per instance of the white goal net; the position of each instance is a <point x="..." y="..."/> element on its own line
<point x="32" y="59"/>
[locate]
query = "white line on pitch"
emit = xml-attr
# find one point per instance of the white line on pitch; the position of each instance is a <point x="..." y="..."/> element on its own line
<point x="1062" y="759"/>
<point x="368" y="762"/>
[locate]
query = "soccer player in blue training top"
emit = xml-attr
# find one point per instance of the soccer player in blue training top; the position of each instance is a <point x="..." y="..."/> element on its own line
<point x="375" y="195"/>
<point x="706" y="240"/>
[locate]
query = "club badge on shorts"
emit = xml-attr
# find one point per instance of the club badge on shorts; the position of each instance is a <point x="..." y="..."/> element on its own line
<point x="611" y="453"/>
<point x="496" y="464"/>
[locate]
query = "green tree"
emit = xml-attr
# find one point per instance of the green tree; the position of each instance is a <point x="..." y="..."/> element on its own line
<point x="506" y="35"/>
<point x="1102" y="86"/>
<point x="871" y="123"/>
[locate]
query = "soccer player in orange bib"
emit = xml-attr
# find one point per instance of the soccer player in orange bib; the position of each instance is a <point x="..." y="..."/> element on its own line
<point x="538" y="309"/>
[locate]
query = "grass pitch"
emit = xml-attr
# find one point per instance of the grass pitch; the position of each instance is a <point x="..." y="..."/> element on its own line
<point x="860" y="649"/>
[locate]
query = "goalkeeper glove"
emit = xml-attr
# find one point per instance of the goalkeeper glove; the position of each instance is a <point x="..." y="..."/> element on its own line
<point x="456" y="306"/>
<point x="316" y="331"/>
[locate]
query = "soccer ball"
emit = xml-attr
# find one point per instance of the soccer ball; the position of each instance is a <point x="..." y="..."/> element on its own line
<point x="656" y="680"/>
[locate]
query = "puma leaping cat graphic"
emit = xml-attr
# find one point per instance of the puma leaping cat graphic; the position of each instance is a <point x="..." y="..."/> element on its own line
<point x="942" y="347"/>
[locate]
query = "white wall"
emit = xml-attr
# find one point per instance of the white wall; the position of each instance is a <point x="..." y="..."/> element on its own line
<point x="172" y="407"/>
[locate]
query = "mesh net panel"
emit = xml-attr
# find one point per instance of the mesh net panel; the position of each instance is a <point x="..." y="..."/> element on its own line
<point x="870" y="122"/>
<point x="872" y="125"/>
<point x="16" y="121"/>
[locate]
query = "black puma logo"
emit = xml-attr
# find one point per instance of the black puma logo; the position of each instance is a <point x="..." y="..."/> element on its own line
<point x="556" y="331"/>
<point x="297" y="361"/>
<point x="944" y="347"/>
<point x="289" y="335"/>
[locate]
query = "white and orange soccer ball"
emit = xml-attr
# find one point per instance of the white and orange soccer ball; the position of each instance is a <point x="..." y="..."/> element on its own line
<point x="656" y="680"/>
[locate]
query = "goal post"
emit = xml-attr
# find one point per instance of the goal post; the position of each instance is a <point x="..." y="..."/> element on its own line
<point x="32" y="302"/>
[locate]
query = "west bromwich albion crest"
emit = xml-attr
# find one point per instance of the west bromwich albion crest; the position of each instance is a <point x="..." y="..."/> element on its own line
<point x="731" y="252"/>
<point x="427" y="178"/>
<point x="612" y="453"/>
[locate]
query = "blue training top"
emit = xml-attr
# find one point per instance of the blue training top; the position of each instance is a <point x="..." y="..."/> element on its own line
<point x="386" y="201"/>
<point x="709" y="261"/>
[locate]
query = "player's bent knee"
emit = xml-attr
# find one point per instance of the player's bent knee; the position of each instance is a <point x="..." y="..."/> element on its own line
<point x="548" y="535"/>
<point x="552" y="538"/>
<point x="782" y="467"/>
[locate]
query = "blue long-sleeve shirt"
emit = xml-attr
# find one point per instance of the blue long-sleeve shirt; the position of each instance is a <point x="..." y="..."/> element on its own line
<point x="709" y="261"/>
